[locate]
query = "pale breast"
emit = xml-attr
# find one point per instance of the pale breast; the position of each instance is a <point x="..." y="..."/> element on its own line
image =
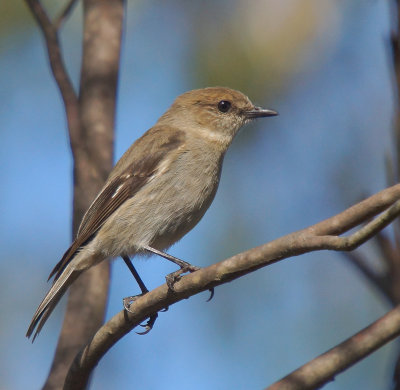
<point x="167" y="207"/>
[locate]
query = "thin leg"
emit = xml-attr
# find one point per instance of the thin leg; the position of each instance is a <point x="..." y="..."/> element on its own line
<point x="182" y="264"/>
<point x="135" y="274"/>
<point x="173" y="277"/>
<point x="129" y="300"/>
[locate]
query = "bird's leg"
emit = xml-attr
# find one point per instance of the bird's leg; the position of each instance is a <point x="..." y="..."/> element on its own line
<point x="173" y="277"/>
<point x="135" y="274"/>
<point x="182" y="264"/>
<point x="129" y="300"/>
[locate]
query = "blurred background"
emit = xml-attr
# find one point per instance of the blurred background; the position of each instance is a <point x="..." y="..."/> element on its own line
<point x="326" y="67"/>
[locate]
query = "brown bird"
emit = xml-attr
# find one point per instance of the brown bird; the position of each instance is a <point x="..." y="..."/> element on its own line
<point x="158" y="191"/>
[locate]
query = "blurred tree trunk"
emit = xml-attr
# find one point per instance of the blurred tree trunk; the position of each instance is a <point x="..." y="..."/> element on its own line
<point x="91" y="117"/>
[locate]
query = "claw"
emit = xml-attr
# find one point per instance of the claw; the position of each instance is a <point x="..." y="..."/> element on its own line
<point x="173" y="277"/>
<point x="211" y="294"/>
<point x="149" y="325"/>
<point x="128" y="301"/>
<point x="145" y="331"/>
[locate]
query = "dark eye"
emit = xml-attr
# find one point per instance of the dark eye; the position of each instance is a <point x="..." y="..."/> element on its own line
<point x="224" y="105"/>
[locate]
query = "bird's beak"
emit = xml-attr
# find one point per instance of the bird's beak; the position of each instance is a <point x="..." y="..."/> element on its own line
<point x="258" y="112"/>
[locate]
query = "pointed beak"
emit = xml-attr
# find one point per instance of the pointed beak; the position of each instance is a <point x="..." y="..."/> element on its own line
<point x="258" y="112"/>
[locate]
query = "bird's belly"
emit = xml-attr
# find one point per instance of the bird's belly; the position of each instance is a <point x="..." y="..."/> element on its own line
<point x="159" y="215"/>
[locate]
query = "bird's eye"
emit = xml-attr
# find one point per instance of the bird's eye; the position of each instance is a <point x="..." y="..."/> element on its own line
<point x="224" y="105"/>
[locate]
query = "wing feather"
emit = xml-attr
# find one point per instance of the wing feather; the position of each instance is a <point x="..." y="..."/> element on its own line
<point x="118" y="189"/>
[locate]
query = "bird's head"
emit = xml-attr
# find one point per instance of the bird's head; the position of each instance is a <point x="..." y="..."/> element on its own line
<point x="216" y="113"/>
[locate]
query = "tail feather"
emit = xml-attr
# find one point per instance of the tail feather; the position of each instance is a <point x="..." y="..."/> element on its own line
<point x="51" y="299"/>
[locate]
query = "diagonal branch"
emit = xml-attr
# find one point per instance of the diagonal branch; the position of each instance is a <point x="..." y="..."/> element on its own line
<point x="316" y="237"/>
<point x="322" y="369"/>
<point x="361" y="236"/>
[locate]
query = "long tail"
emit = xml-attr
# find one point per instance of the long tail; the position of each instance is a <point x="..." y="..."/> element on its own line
<point x="51" y="299"/>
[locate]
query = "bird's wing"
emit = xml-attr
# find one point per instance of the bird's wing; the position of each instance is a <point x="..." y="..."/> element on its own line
<point x="127" y="178"/>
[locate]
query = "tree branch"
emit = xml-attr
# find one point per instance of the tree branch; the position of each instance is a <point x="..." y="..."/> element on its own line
<point x="58" y="22"/>
<point x="322" y="369"/>
<point x="364" y="234"/>
<point x="310" y="239"/>
<point x="70" y="99"/>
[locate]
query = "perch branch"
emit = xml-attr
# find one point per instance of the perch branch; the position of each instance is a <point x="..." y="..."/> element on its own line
<point x="316" y="237"/>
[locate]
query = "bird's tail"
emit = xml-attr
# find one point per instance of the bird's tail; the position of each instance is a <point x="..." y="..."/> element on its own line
<point x="51" y="299"/>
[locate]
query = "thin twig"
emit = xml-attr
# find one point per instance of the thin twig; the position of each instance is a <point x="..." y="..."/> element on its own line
<point x="59" y="72"/>
<point x="59" y="20"/>
<point x="362" y="235"/>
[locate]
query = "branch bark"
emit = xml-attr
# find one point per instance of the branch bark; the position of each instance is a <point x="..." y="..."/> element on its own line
<point x="316" y="237"/>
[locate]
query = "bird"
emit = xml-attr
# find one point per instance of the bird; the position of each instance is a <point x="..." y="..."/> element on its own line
<point x="158" y="191"/>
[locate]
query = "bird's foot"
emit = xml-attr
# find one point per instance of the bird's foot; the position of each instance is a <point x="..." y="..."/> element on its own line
<point x="173" y="277"/>
<point x="148" y="326"/>
<point x="128" y="301"/>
